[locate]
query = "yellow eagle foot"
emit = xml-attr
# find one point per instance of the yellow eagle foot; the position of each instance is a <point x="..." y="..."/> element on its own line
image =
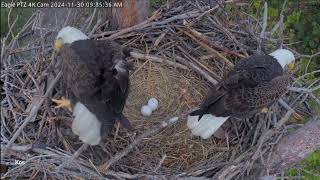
<point x="264" y="110"/>
<point x="63" y="103"/>
<point x="297" y="116"/>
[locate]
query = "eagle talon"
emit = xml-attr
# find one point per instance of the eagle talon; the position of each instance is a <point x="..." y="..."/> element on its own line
<point x="297" y="116"/>
<point x="63" y="103"/>
<point x="264" y="110"/>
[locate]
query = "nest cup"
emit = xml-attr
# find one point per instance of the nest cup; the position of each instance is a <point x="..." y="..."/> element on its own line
<point x="177" y="91"/>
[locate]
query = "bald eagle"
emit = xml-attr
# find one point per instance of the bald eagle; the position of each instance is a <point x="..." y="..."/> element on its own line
<point x="96" y="79"/>
<point x="252" y="85"/>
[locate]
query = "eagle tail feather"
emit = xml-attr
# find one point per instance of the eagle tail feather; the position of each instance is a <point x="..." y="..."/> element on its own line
<point x="86" y="125"/>
<point x="194" y="117"/>
<point x="208" y="125"/>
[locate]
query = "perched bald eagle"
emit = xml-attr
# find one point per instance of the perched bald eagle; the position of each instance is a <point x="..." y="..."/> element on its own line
<point x="96" y="78"/>
<point x="254" y="83"/>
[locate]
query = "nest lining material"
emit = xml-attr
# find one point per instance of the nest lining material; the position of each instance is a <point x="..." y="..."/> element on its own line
<point x="177" y="91"/>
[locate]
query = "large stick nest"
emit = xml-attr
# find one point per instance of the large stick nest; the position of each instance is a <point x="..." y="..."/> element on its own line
<point x="179" y="53"/>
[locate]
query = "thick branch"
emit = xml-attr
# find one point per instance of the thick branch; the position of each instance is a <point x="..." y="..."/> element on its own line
<point x="157" y="59"/>
<point x="295" y="147"/>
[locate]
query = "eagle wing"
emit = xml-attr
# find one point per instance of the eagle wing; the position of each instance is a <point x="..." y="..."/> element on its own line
<point x="252" y="71"/>
<point x="82" y="73"/>
<point x="116" y="94"/>
<point x="254" y="83"/>
<point x="241" y="101"/>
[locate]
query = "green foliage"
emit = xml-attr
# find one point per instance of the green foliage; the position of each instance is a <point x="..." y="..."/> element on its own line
<point x="23" y="14"/>
<point x="301" y="27"/>
<point x="157" y="3"/>
<point x="305" y="24"/>
<point x="293" y="18"/>
<point x="306" y="65"/>
<point x="257" y="4"/>
<point x="310" y="167"/>
<point x="273" y="13"/>
<point x="4" y="21"/>
<point x="301" y="19"/>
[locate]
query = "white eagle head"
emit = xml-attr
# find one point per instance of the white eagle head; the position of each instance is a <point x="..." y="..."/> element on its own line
<point x="68" y="35"/>
<point x="284" y="57"/>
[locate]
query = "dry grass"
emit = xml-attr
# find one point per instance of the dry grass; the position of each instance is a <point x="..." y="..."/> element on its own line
<point x="177" y="91"/>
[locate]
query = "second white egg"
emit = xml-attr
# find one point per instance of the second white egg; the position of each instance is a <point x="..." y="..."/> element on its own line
<point x="146" y="110"/>
<point x="153" y="104"/>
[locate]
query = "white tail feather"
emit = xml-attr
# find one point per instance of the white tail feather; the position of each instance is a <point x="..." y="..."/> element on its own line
<point x="206" y="126"/>
<point x="86" y="125"/>
<point x="192" y="121"/>
<point x="203" y="125"/>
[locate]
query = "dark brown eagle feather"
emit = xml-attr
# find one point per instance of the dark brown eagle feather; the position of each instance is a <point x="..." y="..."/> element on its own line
<point x="89" y="73"/>
<point x="254" y="83"/>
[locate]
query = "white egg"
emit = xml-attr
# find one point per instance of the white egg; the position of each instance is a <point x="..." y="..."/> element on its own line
<point x="146" y="110"/>
<point x="153" y="104"/>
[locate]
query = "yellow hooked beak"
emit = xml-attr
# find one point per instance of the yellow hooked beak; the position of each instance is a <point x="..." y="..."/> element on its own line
<point x="291" y="67"/>
<point x="58" y="44"/>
